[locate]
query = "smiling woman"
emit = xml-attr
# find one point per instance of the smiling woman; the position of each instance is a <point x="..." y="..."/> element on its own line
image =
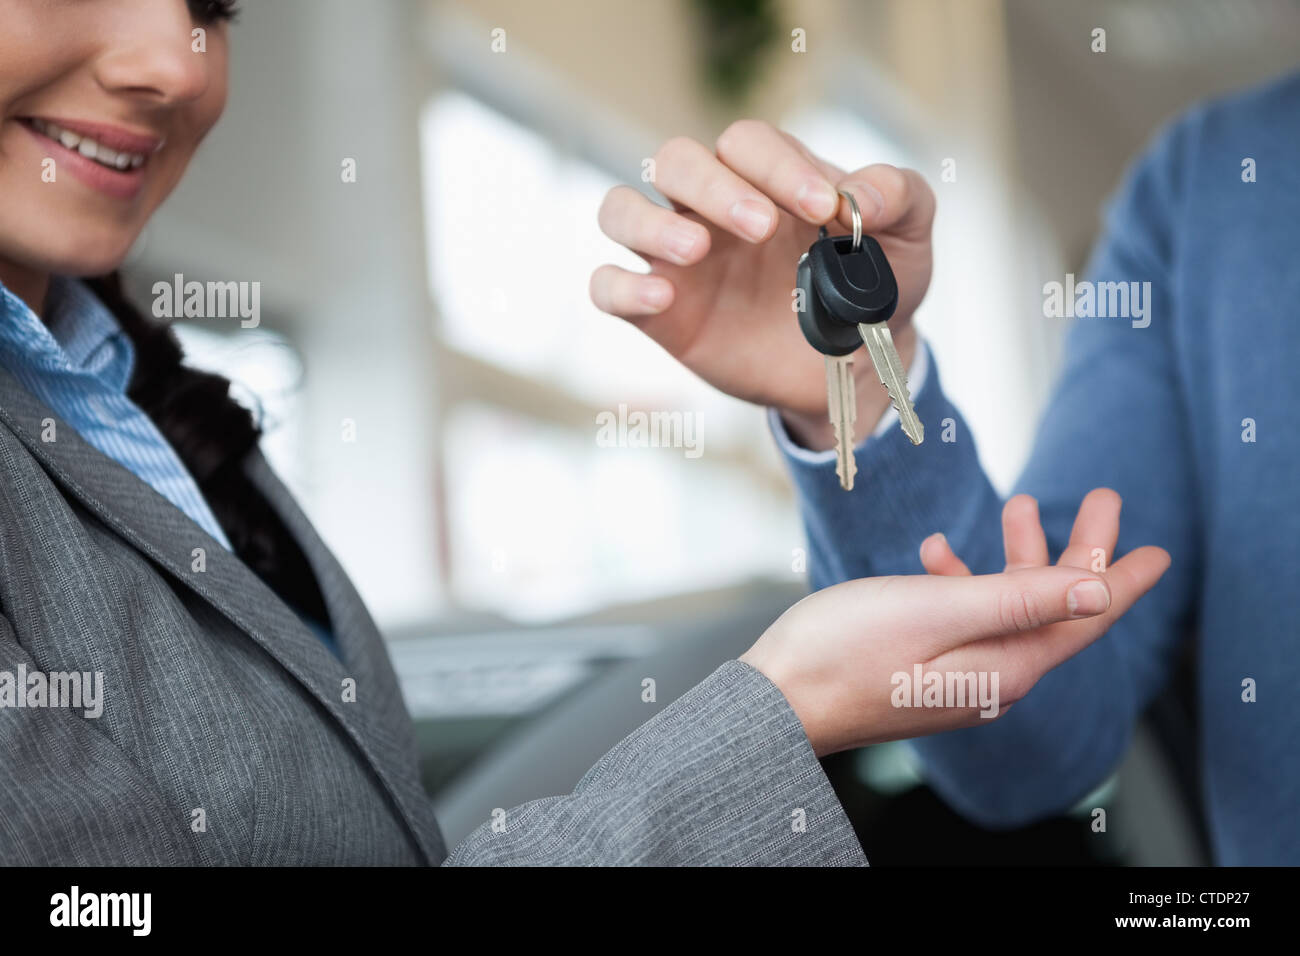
<point x="125" y="77"/>
<point x="89" y="86"/>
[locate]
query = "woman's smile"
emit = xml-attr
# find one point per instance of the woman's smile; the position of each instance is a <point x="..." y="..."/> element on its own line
<point x="96" y="88"/>
<point x="108" y="158"/>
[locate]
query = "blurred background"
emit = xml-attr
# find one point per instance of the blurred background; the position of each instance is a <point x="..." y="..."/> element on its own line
<point x="429" y="370"/>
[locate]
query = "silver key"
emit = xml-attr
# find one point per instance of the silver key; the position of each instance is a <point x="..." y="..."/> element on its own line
<point x="880" y="346"/>
<point x="842" y="403"/>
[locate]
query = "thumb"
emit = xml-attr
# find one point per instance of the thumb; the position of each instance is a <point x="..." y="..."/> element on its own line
<point x="952" y="611"/>
<point x="898" y="201"/>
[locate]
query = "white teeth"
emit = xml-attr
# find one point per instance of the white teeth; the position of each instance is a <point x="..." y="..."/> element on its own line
<point x="89" y="148"/>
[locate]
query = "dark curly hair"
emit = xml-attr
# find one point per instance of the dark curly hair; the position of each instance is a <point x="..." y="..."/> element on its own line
<point x="213" y="435"/>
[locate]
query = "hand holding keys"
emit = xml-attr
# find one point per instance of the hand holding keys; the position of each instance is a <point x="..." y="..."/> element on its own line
<point x="848" y="292"/>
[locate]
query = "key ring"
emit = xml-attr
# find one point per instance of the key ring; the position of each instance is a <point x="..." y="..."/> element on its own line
<point x="857" y="219"/>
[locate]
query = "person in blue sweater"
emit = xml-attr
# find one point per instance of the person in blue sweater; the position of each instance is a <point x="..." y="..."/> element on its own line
<point x="1186" y="413"/>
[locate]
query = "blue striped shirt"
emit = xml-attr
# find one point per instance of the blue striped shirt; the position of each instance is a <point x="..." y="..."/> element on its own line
<point x="79" y="363"/>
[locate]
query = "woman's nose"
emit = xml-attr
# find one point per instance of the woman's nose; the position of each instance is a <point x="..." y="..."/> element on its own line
<point x="160" y="57"/>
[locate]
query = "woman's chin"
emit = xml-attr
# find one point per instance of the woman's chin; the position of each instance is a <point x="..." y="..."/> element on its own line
<point x="81" y="259"/>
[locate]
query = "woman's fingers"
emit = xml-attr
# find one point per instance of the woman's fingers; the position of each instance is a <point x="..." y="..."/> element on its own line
<point x="938" y="557"/>
<point x="629" y="294"/>
<point x="689" y="173"/>
<point x="631" y="219"/>
<point x="942" y="613"/>
<point x="1096" y="528"/>
<point x="1030" y="656"/>
<point x="770" y="160"/>
<point x="1022" y="537"/>
<point x="1022" y="534"/>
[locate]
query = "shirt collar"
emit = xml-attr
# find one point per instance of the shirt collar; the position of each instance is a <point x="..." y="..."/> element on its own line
<point x="81" y="337"/>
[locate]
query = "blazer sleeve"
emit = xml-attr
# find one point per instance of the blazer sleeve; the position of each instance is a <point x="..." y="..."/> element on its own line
<point x="724" y="775"/>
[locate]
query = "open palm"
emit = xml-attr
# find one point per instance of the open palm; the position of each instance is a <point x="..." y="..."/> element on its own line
<point x="1091" y="547"/>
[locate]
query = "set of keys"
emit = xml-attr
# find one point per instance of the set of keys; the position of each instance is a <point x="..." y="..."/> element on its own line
<point x="848" y="293"/>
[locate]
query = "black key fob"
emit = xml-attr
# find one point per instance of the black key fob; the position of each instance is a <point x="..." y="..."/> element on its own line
<point x="841" y="288"/>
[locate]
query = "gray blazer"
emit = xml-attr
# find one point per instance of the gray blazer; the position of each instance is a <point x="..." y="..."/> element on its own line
<point x="229" y="734"/>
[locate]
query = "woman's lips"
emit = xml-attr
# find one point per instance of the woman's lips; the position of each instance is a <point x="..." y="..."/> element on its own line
<point x="74" y="144"/>
<point x="114" y="137"/>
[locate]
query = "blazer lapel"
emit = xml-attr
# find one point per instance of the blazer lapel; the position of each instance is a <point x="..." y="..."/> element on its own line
<point x="364" y="649"/>
<point x="376" y="722"/>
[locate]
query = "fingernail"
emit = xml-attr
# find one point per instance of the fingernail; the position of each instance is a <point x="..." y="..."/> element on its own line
<point x="818" y="199"/>
<point x="938" y="538"/>
<point x="1087" y="598"/>
<point x="680" y="243"/>
<point x="932" y="541"/>
<point x="875" y="202"/>
<point x="654" y="294"/>
<point x="751" y="218"/>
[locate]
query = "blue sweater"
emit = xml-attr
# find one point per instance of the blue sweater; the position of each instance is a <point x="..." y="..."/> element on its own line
<point x="1159" y="414"/>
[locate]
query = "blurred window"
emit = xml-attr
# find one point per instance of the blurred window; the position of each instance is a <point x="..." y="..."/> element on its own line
<point x="544" y="521"/>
